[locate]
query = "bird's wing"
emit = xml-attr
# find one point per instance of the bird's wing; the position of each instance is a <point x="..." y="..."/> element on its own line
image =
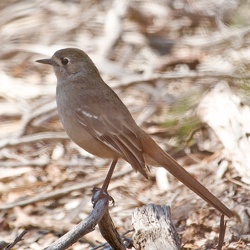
<point x="116" y="133"/>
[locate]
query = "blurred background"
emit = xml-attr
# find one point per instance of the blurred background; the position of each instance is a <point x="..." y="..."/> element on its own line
<point x="181" y="67"/>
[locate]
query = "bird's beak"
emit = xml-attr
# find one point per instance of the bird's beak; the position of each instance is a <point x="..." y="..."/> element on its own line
<point x="45" y="61"/>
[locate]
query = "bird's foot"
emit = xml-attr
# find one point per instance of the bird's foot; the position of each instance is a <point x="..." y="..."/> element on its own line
<point x="98" y="194"/>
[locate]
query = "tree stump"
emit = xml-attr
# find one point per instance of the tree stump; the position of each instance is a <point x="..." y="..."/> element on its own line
<point x="154" y="229"/>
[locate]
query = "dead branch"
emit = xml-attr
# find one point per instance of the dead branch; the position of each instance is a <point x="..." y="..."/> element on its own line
<point x="100" y="216"/>
<point x="84" y="227"/>
<point x="107" y="227"/>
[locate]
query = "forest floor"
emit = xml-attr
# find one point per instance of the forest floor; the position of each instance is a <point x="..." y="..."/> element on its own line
<point x="163" y="58"/>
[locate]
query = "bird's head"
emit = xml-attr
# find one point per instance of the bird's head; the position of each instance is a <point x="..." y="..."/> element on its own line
<point x="71" y="62"/>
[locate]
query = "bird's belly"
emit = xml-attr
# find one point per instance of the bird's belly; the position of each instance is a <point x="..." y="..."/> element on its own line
<point x="85" y="140"/>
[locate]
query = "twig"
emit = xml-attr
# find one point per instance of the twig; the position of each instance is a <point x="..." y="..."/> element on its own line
<point x="17" y="239"/>
<point x="239" y="183"/>
<point x="24" y="220"/>
<point x="84" y="227"/>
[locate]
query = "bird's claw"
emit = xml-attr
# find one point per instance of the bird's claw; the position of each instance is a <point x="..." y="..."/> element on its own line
<point x="98" y="194"/>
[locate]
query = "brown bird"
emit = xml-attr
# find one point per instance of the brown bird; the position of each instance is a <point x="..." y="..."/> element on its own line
<point x="96" y="119"/>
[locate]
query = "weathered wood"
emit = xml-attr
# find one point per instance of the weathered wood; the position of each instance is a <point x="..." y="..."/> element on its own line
<point x="106" y="225"/>
<point x="154" y="229"/>
<point x="84" y="227"/>
<point x="109" y="232"/>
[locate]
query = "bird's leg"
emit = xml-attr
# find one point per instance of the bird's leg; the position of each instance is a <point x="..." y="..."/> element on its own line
<point x="109" y="176"/>
<point x="99" y="192"/>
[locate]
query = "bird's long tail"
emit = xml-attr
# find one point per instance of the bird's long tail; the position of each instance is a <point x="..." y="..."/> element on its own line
<point x="151" y="148"/>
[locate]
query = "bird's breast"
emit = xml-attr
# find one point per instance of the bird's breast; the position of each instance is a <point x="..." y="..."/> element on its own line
<point x="78" y="132"/>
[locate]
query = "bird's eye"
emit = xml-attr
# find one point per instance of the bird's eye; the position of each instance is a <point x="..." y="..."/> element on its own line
<point x="65" y="61"/>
